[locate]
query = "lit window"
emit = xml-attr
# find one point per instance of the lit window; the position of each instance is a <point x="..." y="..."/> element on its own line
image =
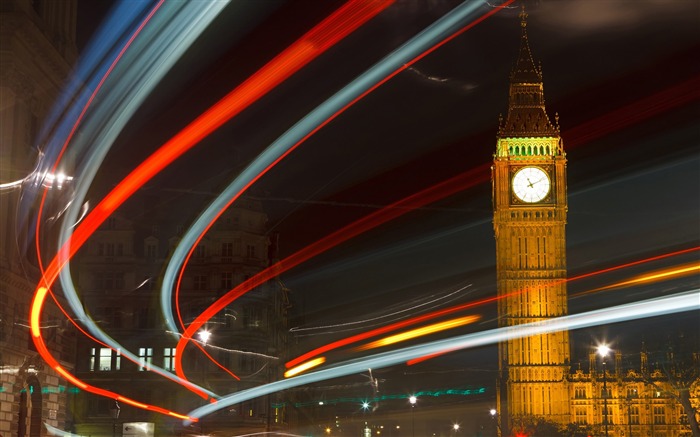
<point x="101" y="359"/>
<point x="169" y="358"/>
<point x="145" y="357"/>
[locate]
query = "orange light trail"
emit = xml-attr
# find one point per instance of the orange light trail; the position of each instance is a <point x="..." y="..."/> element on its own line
<point x="49" y="277"/>
<point x="388" y="328"/>
<point x="660" y="275"/>
<point x="37" y="303"/>
<point x="304" y="367"/>
<point x="669" y="99"/>
<point x="143" y="173"/>
<point x="419" y="332"/>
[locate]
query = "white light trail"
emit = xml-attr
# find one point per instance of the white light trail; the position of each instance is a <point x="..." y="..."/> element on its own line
<point x="683" y="302"/>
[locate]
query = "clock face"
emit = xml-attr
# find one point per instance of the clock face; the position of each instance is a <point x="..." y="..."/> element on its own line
<point x="531" y="184"/>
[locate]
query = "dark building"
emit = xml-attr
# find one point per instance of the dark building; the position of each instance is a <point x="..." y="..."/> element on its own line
<point x="119" y="275"/>
<point x="37" y="42"/>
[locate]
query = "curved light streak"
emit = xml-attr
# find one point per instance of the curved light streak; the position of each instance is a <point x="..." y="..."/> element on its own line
<point x="337" y="26"/>
<point x="190" y="136"/>
<point x="677" y="303"/>
<point x="181" y="32"/>
<point x="433" y="37"/>
<point x="180" y="25"/>
<point x="443" y="312"/>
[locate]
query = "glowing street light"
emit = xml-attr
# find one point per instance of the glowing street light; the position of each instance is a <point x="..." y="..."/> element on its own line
<point x="412" y="400"/>
<point x="494" y="416"/>
<point x="204" y="335"/>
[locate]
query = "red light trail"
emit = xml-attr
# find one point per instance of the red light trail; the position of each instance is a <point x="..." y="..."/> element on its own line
<point x="424" y="197"/>
<point x="441" y="190"/>
<point x="190" y="136"/>
<point x="333" y="29"/>
<point x="429" y="316"/>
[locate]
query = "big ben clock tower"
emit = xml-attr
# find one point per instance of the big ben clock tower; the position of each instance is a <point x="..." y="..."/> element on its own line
<point x="529" y="219"/>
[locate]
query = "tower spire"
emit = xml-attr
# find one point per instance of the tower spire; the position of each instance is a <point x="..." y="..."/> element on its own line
<point x="525" y="70"/>
<point x="526" y="112"/>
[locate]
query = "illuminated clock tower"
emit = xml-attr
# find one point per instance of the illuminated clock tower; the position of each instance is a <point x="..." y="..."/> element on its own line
<point x="529" y="219"/>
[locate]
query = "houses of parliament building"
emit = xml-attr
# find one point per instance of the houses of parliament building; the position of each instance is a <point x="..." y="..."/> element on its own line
<point x="535" y="373"/>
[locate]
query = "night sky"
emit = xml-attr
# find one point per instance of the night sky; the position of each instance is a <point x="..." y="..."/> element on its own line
<point x="621" y="74"/>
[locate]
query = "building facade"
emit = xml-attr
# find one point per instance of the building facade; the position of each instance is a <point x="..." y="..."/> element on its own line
<point x="635" y="401"/>
<point x="119" y="274"/>
<point x="38" y="49"/>
<point x="535" y="379"/>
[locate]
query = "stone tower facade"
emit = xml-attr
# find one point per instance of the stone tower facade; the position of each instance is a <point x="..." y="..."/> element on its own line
<point x="530" y="207"/>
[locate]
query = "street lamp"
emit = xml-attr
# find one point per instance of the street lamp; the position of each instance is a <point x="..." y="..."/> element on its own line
<point x="603" y="350"/>
<point x="412" y="400"/>
<point x="204" y="335"/>
<point x="455" y="427"/>
<point x="114" y="412"/>
<point x="494" y="416"/>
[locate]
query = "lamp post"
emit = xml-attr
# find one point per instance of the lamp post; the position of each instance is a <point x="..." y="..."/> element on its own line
<point x="603" y="352"/>
<point x="455" y="427"/>
<point x="412" y="400"/>
<point x="114" y="412"/>
<point x="494" y="417"/>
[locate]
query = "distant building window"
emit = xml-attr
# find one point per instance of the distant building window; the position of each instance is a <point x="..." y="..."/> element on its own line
<point x="145" y="357"/>
<point x="580" y="393"/>
<point x="113" y="316"/>
<point x="119" y="283"/>
<point x="101" y="359"/>
<point x="250" y="251"/>
<point x="606" y="414"/>
<point x="581" y="416"/>
<point x="151" y="251"/>
<point x="110" y="249"/>
<point x="659" y="415"/>
<point x="227" y="280"/>
<point x="169" y="359"/>
<point x="226" y="250"/>
<point x="199" y="282"/>
<point x="634" y="415"/>
<point x="632" y="393"/>
<point x="143" y="319"/>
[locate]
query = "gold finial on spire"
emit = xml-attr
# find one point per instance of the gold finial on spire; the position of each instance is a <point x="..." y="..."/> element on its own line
<point x="523" y="16"/>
